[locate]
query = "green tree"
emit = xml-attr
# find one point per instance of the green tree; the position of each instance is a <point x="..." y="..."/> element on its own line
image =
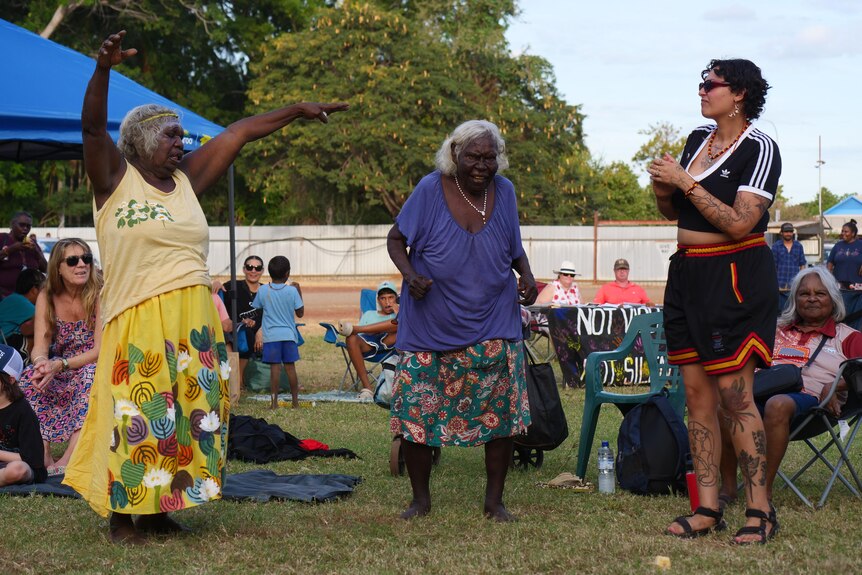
<point x="408" y="89"/>
<point x="664" y="137"/>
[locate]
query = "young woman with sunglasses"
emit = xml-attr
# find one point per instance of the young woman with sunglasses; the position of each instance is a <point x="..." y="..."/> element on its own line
<point x="161" y="389"/>
<point x="720" y="304"/>
<point x="250" y="317"/>
<point x="67" y="335"/>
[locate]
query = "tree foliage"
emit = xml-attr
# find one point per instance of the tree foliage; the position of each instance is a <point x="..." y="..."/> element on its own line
<point x="412" y="71"/>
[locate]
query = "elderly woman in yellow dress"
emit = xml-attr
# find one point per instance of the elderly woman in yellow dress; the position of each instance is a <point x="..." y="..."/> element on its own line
<point x="155" y="436"/>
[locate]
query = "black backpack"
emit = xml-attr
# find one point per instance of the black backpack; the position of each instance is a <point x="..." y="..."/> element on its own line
<point x="652" y="449"/>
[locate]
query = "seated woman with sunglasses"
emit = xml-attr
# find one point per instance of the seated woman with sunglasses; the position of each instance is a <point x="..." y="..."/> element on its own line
<point x="66" y="344"/>
<point x="563" y="290"/>
<point x="720" y="307"/>
<point x="250" y="317"/>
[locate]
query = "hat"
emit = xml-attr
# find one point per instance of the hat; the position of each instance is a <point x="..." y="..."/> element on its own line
<point x="10" y="361"/>
<point x="566" y="267"/>
<point x="786" y="227"/>
<point x="621" y="264"/>
<point x="386" y="285"/>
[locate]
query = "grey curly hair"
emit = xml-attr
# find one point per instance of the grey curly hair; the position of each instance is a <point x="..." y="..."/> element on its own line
<point x="791" y="315"/>
<point x="464" y="135"/>
<point x="140" y="129"/>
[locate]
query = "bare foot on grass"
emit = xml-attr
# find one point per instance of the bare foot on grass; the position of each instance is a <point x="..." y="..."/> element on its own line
<point x="499" y="513"/>
<point x="416" y="509"/>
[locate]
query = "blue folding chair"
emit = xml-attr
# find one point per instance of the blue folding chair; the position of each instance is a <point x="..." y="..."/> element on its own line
<point x="367" y="302"/>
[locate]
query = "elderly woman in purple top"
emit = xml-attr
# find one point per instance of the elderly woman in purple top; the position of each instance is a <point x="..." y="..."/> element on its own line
<point x="460" y="379"/>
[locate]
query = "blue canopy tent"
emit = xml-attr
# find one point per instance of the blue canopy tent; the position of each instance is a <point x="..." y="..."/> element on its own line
<point x="40" y="108"/>
<point x="41" y="99"/>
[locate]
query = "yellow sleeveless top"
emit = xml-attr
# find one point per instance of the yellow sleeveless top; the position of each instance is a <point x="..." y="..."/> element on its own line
<point x="151" y="242"/>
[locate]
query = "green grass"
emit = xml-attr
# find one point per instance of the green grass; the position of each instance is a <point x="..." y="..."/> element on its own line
<point x="559" y="531"/>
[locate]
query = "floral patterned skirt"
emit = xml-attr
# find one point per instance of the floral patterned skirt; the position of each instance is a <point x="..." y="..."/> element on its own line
<point x="465" y="397"/>
<point x="155" y="436"/>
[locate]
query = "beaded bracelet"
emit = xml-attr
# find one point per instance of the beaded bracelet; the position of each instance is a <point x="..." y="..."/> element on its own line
<point x="690" y="190"/>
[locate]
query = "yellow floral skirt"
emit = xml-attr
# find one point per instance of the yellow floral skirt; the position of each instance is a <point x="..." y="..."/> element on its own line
<point x="155" y="436"/>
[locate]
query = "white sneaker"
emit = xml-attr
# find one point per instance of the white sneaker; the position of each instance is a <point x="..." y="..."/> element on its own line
<point x="366" y="395"/>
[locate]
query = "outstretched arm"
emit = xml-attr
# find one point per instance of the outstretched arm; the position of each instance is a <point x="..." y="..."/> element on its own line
<point x="207" y="164"/>
<point x="102" y="159"/>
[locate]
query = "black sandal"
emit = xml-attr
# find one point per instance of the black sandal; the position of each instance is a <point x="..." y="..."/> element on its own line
<point x="689" y="533"/>
<point x="758" y="529"/>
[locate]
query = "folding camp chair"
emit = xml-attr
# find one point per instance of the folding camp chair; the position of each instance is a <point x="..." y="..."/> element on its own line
<point x="662" y="376"/>
<point x="819" y="421"/>
<point x="538" y="337"/>
<point x="367" y="302"/>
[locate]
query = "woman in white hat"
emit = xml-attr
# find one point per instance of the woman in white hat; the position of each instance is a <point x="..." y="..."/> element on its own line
<point x="563" y="290"/>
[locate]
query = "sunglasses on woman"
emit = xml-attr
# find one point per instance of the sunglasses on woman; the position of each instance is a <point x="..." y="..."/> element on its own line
<point x="708" y="85"/>
<point x="251" y="268"/>
<point x="72" y="261"/>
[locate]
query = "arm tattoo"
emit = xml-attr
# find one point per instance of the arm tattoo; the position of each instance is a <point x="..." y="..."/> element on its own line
<point x="702" y="443"/>
<point x="735" y="406"/>
<point x="747" y="209"/>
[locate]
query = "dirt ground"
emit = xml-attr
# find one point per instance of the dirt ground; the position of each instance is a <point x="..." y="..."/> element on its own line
<point x="329" y="299"/>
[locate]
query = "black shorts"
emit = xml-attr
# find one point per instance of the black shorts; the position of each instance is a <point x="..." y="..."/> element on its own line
<point x="720" y="306"/>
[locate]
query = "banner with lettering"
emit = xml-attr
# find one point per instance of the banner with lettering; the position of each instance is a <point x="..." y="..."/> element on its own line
<point x="579" y="330"/>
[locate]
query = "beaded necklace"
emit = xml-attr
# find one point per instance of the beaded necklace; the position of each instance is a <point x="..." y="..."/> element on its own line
<point x="484" y="200"/>
<point x="710" y="157"/>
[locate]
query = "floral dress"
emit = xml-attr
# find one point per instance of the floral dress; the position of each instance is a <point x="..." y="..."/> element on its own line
<point x="61" y="408"/>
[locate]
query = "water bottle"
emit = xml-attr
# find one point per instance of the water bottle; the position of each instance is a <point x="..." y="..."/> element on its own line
<point x="607" y="480"/>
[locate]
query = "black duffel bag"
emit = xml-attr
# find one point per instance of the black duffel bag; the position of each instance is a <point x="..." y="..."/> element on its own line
<point x="548" y="427"/>
<point x="779" y="379"/>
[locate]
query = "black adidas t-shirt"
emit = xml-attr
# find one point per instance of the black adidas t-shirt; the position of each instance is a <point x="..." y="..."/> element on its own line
<point x="753" y="165"/>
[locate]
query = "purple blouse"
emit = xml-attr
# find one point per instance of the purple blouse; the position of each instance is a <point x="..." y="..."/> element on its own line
<point x="475" y="294"/>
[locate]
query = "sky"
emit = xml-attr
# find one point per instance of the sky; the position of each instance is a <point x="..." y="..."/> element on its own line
<point x="630" y="64"/>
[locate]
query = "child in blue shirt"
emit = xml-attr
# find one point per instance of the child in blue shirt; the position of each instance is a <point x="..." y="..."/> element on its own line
<point x="279" y="301"/>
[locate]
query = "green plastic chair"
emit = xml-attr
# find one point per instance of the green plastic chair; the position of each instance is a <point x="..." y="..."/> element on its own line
<point x="646" y="328"/>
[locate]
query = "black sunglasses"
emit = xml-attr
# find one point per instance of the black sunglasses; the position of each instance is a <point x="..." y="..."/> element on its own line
<point x="251" y="268"/>
<point x="72" y="261"/>
<point x="708" y="85"/>
<point x="568" y="275"/>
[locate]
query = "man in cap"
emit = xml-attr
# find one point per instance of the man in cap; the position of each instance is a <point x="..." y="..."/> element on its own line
<point x="621" y="290"/>
<point x="374" y="333"/>
<point x="21" y="450"/>
<point x="789" y="257"/>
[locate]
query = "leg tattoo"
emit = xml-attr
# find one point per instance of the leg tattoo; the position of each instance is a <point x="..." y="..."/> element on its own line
<point x="703" y="452"/>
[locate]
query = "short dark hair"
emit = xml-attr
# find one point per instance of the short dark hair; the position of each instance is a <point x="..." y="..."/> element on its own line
<point x="249" y="258"/>
<point x="743" y="76"/>
<point x="29" y="279"/>
<point x="17" y="215"/>
<point x="279" y="268"/>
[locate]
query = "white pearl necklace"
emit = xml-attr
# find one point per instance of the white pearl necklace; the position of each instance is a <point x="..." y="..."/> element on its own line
<point x="484" y="200"/>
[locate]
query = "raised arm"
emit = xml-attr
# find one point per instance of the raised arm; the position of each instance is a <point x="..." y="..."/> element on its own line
<point x="207" y="164"/>
<point x="102" y="159"/>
